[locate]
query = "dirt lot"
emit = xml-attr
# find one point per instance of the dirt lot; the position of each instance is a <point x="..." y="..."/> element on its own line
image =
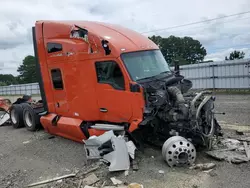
<point x="27" y="157"/>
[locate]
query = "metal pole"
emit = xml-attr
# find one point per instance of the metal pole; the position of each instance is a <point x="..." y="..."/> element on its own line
<point x="213" y="79"/>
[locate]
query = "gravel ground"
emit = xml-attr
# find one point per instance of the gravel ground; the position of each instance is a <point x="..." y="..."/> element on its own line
<point x="27" y="157"/>
<point x="236" y="107"/>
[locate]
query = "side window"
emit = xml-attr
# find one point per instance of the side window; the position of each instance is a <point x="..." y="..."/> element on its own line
<point x="109" y="72"/>
<point x="54" y="47"/>
<point x="57" y="78"/>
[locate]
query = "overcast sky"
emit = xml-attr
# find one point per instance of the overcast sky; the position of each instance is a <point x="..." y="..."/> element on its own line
<point x="219" y="37"/>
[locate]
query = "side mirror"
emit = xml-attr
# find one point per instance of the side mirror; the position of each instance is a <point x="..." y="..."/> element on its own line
<point x="176" y="67"/>
<point x="134" y="87"/>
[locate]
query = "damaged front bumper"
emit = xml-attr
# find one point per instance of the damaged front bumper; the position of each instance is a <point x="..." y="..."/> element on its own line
<point x="113" y="150"/>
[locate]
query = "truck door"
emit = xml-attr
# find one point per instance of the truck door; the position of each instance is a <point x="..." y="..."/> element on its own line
<point x="60" y="98"/>
<point x="55" y="61"/>
<point x="113" y="99"/>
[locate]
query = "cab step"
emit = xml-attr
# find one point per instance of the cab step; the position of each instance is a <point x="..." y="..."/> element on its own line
<point x="108" y="127"/>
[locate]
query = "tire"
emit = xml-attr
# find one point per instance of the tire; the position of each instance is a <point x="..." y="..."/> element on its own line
<point x="16" y="116"/>
<point x="30" y="118"/>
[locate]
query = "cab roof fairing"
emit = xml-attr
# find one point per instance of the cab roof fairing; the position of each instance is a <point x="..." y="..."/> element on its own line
<point x="121" y="39"/>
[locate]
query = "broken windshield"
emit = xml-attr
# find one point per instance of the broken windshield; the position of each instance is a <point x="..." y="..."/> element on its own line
<point x="145" y="64"/>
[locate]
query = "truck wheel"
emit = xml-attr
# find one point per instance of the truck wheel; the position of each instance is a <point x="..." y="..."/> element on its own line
<point x="30" y="118"/>
<point x="16" y="116"/>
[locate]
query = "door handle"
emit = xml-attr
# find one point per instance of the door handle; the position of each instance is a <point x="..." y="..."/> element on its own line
<point x="57" y="104"/>
<point x="103" y="110"/>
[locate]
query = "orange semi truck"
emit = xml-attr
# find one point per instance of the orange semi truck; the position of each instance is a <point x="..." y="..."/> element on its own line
<point x="96" y="77"/>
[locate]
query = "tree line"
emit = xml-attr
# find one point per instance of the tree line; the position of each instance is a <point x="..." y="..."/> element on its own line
<point x="27" y="73"/>
<point x="185" y="50"/>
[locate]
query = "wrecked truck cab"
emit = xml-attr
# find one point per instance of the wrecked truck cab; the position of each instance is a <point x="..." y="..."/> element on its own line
<point x="83" y="79"/>
<point x="96" y="77"/>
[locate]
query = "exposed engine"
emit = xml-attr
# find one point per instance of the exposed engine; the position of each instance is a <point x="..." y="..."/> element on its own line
<point x="172" y="110"/>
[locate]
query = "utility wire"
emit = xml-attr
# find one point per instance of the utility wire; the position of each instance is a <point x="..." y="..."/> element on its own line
<point x="194" y="23"/>
<point x="204" y="26"/>
<point x="216" y="48"/>
<point x="226" y="47"/>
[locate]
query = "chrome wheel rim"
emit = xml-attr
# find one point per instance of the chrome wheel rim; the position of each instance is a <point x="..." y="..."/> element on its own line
<point x="28" y="119"/>
<point x="178" y="151"/>
<point x="13" y="116"/>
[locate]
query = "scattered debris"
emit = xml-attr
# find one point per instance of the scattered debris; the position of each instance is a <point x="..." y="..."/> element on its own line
<point x="247" y="149"/>
<point x="59" y="181"/>
<point x="94" y="142"/>
<point x="230" y="143"/>
<point x="208" y="171"/>
<point x="239" y="132"/>
<point x="232" y="150"/>
<point x="212" y="173"/>
<point x="114" y="150"/>
<point x="241" y="138"/>
<point x="26" y="142"/>
<point x="80" y="183"/>
<point x="231" y="156"/>
<point x="87" y="186"/>
<point x="126" y="172"/>
<point x="90" y="180"/>
<point x="205" y="166"/>
<point x="91" y="169"/>
<point x="103" y="184"/>
<point x="131" y="149"/>
<point x="120" y="186"/>
<point x="161" y="171"/>
<point x="115" y="181"/>
<point x="66" y="170"/>
<point x="119" y="157"/>
<point x="135" y="185"/>
<point x="51" y="180"/>
<point x="135" y="166"/>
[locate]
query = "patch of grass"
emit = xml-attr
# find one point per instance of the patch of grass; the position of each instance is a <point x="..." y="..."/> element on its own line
<point x="238" y="92"/>
<point x="227" y="91"/>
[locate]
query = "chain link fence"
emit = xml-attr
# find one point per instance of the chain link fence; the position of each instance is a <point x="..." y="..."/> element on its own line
<point x="21" y="89"/>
